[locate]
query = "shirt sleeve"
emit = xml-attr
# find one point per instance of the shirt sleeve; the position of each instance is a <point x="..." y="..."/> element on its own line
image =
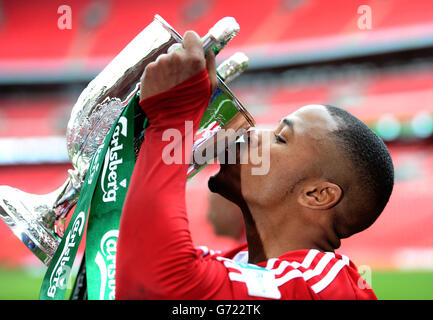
<point x="155" y="253"/>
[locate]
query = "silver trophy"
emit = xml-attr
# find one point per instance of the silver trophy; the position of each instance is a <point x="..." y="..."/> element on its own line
<point x="34" y="219"/>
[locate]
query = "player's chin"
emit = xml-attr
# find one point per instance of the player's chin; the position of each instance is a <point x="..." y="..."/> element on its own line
<point x="224" y="178"/>
<point x="227" y="179"/>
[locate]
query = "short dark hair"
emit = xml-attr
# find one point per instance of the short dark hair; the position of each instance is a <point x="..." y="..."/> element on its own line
<point x="371" y="159"/>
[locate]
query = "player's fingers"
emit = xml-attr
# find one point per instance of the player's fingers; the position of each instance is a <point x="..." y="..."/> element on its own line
<point x="193" y="45"/>
<point x="211" y="69"/>
<point x="174" y="47"/>
<point x="164" y="57"/>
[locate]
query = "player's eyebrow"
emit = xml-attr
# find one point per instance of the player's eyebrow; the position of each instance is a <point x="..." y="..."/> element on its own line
<point x="289" y="123"/>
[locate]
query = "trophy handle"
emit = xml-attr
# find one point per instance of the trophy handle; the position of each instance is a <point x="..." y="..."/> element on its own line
<point x="32" y="218"/>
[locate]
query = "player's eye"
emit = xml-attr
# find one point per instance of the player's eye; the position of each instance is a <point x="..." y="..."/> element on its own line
<point x="279" y="139"/>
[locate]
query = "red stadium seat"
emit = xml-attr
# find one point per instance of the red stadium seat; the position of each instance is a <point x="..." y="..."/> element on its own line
<point x="29" y="32"/>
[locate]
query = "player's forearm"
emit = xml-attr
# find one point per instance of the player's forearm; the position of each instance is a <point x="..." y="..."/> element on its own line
<point x="155" y="250"/>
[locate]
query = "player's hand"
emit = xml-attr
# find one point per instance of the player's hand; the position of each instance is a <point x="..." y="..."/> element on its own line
<point x="172" y="68"/>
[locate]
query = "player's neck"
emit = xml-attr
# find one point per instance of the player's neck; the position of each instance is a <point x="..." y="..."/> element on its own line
<point x="272" y="234"/>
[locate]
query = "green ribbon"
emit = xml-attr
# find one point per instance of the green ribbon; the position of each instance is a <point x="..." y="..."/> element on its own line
<point x="106" y="208"/>
<point x="108" y="176"/>
<point x="56" y="278"/>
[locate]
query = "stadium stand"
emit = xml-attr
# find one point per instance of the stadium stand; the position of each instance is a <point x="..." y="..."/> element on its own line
<point x="289" y="31"/>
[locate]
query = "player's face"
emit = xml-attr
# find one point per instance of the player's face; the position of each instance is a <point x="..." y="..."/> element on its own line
<point x="297" y="147"/>
<point x="294" y="151"/>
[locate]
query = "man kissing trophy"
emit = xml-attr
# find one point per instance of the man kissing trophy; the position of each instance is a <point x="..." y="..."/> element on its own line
<point x="104" y="135"/>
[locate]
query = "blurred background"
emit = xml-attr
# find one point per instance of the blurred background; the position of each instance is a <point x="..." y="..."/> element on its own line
<point x="371" y="57"/>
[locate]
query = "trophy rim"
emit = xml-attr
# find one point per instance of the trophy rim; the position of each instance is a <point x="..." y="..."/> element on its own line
<point x="168" y="27"/>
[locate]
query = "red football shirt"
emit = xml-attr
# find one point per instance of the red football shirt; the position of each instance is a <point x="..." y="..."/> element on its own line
<point x="156" y="258"/>
<point x="300" y="274"/>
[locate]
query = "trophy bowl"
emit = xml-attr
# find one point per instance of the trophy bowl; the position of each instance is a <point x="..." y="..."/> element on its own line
<point x="33" y="218"/>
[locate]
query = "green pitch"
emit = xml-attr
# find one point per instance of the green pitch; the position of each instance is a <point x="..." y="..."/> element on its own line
<point x="21" y="284"/>
<point x="403" y="285"/>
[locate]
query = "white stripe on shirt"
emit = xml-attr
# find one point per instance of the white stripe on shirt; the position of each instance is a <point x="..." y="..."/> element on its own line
<point x="310" y="273"/>
<point x="296" y="273"/>
<point x="330" y="276"/>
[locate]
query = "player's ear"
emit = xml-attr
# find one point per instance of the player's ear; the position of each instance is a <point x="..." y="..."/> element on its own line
<point x="320" y="195"/>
